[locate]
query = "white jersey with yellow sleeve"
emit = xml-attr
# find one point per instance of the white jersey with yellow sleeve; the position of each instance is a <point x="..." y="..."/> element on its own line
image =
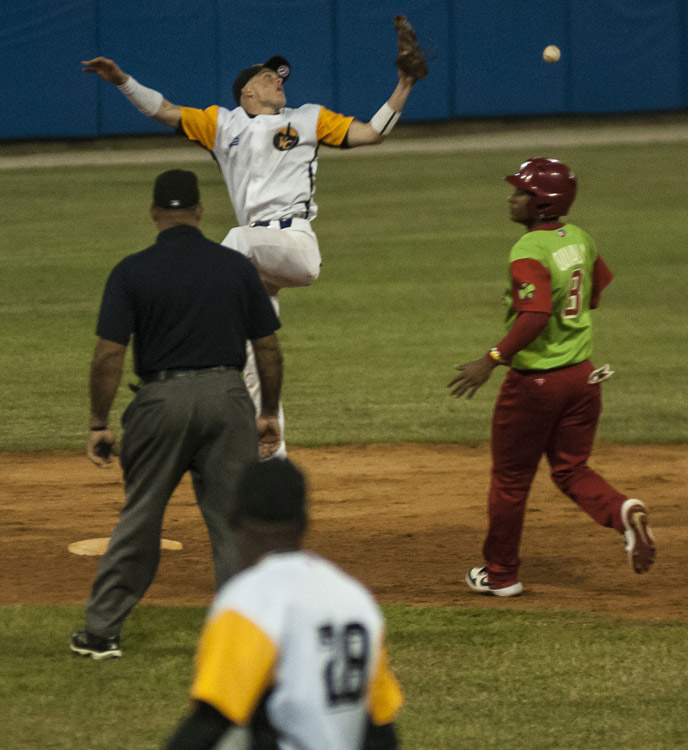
<point x="268" y="161"/>
<point x="300" y="638"/>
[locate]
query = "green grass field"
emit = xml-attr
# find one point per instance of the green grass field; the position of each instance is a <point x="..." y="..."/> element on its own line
<point x="415" y="249"/>
<point x="472" y="679"/>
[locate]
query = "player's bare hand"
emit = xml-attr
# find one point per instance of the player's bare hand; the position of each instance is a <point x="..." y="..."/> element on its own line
<point x="269" y="436"/>
<point x="107" y="69"/>
<point x="101" y="448"/>
<point x="472" y="376"/>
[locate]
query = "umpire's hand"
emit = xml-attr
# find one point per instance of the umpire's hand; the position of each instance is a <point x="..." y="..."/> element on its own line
<point x="269" y="436"/>
<point x="101" y="447"/>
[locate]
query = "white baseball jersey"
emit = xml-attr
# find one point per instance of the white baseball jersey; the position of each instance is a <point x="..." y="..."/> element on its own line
<point x="268" y="161"/>
<point x="297" y="632"/>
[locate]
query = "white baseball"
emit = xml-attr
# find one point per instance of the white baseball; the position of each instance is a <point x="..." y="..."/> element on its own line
<point x="551" y="53"/>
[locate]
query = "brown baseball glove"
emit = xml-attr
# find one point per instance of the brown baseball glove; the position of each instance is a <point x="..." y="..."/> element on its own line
<point x="411" y="60"/>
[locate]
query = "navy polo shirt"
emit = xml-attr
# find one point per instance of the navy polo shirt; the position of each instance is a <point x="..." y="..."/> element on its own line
<point x="188" y="302"/>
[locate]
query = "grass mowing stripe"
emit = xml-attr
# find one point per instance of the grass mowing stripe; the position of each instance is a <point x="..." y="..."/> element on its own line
<point x="414" y="250"/>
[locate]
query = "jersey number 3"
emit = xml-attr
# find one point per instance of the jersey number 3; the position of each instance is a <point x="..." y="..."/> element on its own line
<point x="573" y="301"/>
<point x="346" y="664"/>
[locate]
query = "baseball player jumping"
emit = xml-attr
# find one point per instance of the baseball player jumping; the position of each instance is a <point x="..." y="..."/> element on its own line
<point x="550" y="400"/>
<point x="267" y="153"/>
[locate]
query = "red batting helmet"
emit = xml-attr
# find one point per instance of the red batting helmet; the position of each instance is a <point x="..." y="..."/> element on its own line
<point x="552" y="183"/>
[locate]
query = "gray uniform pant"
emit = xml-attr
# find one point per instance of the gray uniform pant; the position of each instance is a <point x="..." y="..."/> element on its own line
<point x="203" y="423"/>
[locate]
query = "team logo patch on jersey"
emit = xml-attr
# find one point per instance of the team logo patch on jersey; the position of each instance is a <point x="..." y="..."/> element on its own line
<point x="526" y="291"/>
<point x="285" y="139"/>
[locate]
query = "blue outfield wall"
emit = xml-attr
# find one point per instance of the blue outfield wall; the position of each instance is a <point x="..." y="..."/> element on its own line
<point x="617" y="56"/>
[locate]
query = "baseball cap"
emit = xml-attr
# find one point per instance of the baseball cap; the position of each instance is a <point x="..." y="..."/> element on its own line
<point x="279" y="64"/>
<point x="176" y="188"/>
<point x="272" y="491"/>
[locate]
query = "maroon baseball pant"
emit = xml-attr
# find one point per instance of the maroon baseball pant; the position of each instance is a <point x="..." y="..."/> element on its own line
<point x="555" y="414"/>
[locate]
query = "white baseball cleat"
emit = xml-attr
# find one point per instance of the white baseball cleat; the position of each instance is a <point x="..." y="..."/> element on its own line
<point x="476" y="578"/>
<point x="640" y="541"/>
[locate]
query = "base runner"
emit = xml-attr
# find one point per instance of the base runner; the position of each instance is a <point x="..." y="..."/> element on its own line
<point x="550" y="400"/>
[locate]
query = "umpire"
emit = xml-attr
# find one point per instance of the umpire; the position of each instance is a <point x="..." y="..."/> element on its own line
<point x="191" y="306"/>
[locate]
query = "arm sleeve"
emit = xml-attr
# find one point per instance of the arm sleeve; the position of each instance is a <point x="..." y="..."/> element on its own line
<point x="601" y="278"/>
<point x="384" y="694"/>
<point x="200" y="125"/>
<point x="526" y="328"/>
<point x="200" y="730"/>
<point x="332" y="127"/>
<point x="116" y="317"/>
<point x="234" y="666"/>
<point x="530" y="286"/>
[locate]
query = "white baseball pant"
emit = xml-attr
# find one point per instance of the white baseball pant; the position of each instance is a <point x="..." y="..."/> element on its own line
<point x="284" y="257"/>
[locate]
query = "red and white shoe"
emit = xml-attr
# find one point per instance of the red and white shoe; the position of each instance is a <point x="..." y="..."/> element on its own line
<point x="476" y="578"/>
<point x="640" y="541"/>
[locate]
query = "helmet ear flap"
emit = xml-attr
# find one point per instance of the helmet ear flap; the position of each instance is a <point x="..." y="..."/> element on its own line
<point x="552" y="183"/>
<point x="539" y="209"/>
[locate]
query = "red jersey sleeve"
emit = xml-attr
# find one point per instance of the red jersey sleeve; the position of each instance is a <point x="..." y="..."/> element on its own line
<point x="526" y="328"/>
<point x="530" y="286"/>
<point x="601" y="278"/>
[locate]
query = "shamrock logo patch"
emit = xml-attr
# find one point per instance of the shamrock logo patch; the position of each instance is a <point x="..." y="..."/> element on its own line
<point x="526" y="291"/>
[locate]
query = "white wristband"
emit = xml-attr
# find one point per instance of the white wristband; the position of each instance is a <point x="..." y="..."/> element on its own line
<point x="144" y="99"/>
<point x="384" y="119"/>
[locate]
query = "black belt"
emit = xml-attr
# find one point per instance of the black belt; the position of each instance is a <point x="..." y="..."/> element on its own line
<point x="544" y="372"/>
<point x="284" y="223"/>
<point x="162" y="375"/>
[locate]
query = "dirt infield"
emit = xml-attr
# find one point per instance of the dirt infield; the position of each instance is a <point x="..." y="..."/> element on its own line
<point x="406" y="519"/>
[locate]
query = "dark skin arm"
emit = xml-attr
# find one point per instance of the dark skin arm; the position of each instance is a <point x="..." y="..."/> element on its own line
<point x="380" y="737"/>
<point x="269" y="365"/>
<point x="106" y="373"/>
<point x="200" y="730"/>
<point x="473" y="375"/>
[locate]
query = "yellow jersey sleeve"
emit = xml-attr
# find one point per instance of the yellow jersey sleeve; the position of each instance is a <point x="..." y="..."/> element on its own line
<point x="235" y="665"/>
<point x="332" y="127"/>
<point x="384" y="693"/>
<point x="200" y="125"/>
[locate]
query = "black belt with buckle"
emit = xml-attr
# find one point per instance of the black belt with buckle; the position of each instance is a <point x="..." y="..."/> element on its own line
<point x="162" y="375"/>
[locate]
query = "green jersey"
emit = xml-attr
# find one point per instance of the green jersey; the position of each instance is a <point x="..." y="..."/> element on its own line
<point x="554" y="269"/>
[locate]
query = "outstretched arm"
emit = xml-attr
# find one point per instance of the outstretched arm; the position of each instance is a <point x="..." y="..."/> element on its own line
<point x="412" y="66"/>
<point x="150" y="102"/>
<point x="370" y="133"/>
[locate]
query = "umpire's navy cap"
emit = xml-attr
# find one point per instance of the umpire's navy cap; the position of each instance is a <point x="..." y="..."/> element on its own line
<point x="272" y="491"/>
<point x="279" y="64"/>
<point x="176" y="188"/>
